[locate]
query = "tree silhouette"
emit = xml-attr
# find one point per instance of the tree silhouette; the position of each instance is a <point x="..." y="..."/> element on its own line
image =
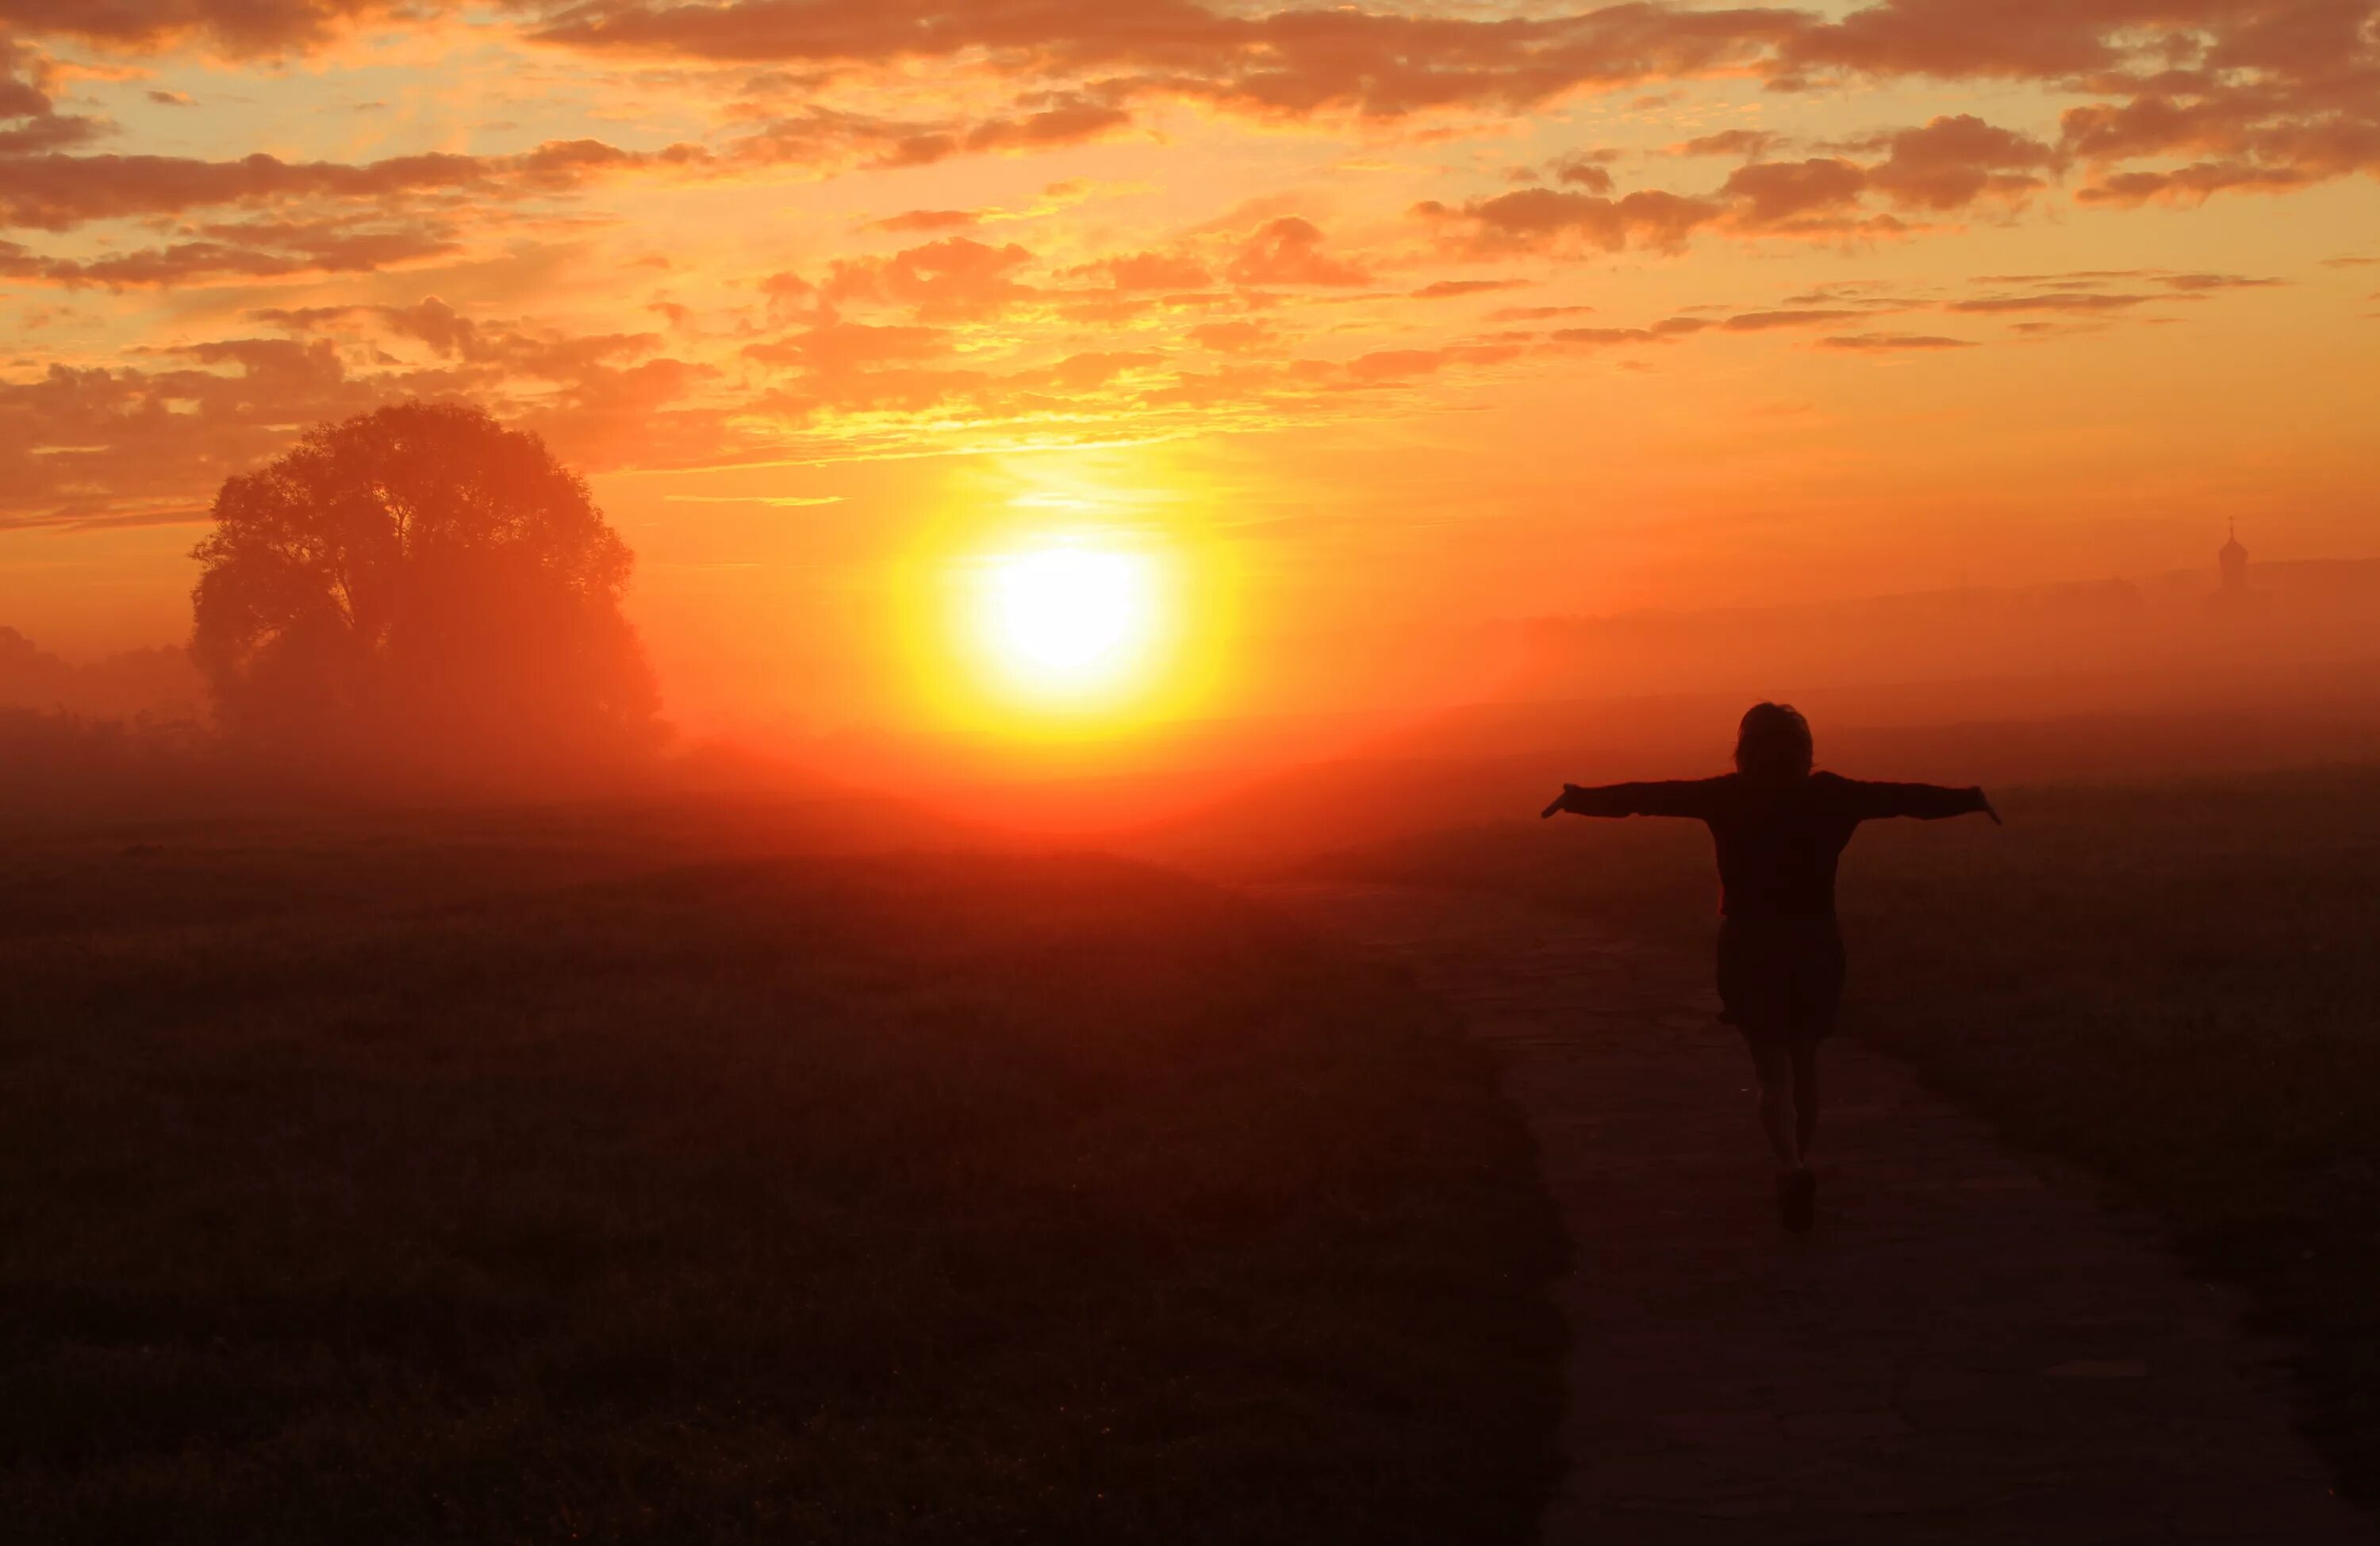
<point x="420" y="582"/>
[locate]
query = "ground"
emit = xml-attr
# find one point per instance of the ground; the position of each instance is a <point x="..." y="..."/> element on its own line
<point x="1972" y="1347"/>
<point x="493" y="1179"/>
<point x="2167" y="982"/>
<point x="647" y="1174"/>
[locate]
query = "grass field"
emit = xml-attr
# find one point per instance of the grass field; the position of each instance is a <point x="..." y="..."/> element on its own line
<point x="486" y="1180"/>
<point x="2175" y="983"/>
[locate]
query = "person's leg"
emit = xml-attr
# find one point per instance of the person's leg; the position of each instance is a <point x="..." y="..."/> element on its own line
<point x="1774" y="1063"/>
<point x="1818" y="996"/>
<point x="1806" y="1098"/>
<point x="1797" y="1190"/>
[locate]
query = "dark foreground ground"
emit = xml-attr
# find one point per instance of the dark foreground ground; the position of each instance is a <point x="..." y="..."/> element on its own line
<point x="1972" y="1348"/>
<point x="2175" y="983"/>
<point x="485" y="1181"/>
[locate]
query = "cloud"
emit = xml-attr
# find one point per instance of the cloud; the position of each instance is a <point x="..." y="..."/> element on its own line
<point x="1777" y="193"/>
<point x="128" y="445"/>
<point x="243" y="252"/>
<point x="1952" y="162"/>
<point x="1946" y="38"/>
<point x="2034" y="40"/>
<point x="1803" y="316"/>
<point x="606" y="418"/>
<point x="1945" y="164"/>
<point x="1401" y="365"/>
<point x="2304" y="66"/>
<point x="239" y="27"/>
<point x="1599" y="338"/>
<point x="2256" y="93"/>
<point x="1750" y="144"/>
<point x="1537" y="218"/>
<point x="2071" y="279"/>
<point x="2268" y="99"/>
<point x="1587" y="169"/>
<point x="1288" y="252"/>
<point x="2189" y="185"/>
<point x="911" y="391"/>
<point x="921" y="221"/>
<point x="1147" y="270"/>
<point x="30" y="121"/>
<point x="1246" y="386"/>
<point x="2093" y="292"/>
<point x="1237" y="337"/>
<point x="816" y="135"/>
<point x="1892" y="343"/>
<point x="837" y="347"/>
<point x="2202" y="282"/>
<point x="56" y="192"/>
<point x="604" y="400"/>
<point x="504" y="350"/>
<point x="2060" y="301"/>
<point x="1087" y="372"/>
<point x="2168" y="102"/>
<point x="1069" y="123"/>
<point x="956" y="279"/>
<point x="1451" y="289"/>
<point x="1381" y="66"/>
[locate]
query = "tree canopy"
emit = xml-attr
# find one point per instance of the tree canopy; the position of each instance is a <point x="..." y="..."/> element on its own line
<point x="420" y="582"/>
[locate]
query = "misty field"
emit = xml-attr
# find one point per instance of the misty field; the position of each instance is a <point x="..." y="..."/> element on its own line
<point x="489" y="1181"/>
<point x="2176" y="984"/>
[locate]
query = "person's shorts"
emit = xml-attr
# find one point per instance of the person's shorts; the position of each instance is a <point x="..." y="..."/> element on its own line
<point x="1781" y="979"/>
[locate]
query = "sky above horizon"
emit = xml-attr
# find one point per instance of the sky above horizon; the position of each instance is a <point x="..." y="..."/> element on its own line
<point x="1379" y="326"/>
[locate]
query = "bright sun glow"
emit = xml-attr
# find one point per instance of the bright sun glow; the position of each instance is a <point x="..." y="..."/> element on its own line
<point x="1069" y="619"/>
<point x="1060" y="600"/>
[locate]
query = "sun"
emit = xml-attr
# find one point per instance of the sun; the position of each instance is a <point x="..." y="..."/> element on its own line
<point x="1069" y="618"/>
<point x="1052" y="603"/>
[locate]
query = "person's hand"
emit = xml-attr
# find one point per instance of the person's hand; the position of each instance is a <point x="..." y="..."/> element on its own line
<point x="1988" y="808"/>
<point x="1561" y="803"/>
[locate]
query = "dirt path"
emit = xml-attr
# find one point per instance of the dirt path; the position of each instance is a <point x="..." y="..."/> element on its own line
<point x="1969" y="1349"/>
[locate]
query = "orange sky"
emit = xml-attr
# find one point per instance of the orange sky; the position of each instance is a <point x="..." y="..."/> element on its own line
<point x="1382" y="325"/>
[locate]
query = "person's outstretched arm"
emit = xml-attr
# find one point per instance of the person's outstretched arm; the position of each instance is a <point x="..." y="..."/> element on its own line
<point x="1670" y="797"/>
<point x="1924" y="801"/>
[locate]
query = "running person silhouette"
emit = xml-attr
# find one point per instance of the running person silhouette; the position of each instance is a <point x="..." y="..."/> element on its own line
<point x="1780" y="829"/>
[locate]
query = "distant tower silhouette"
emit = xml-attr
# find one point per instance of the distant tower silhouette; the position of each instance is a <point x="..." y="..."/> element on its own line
<point x="2233" y="560"/>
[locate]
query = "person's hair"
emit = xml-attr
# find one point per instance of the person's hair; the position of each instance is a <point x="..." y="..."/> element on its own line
<point x="1773" y="741"/>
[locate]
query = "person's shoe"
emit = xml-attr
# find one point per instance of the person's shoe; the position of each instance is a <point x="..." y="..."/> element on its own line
<point x="1797" y="1200"/>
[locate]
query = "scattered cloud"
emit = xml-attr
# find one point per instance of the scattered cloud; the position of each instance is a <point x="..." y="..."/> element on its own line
<point x="1891" y="343"/>
<point x="242" y="28"/>
<point x="957" y="277"/>
<point x="1288" y="252"/>
<point x="1802" y="317"/>
<point x="1135" y="316"/>
<point x="1535" y="219"/>
<point x="1451" y="289"/>
<point x="916" y="222"/>
<point x="2053" y="301"/>
<point x="1147" y="270"/>
<point x="1751" y="144"/>
<point x="1237" y="337"/>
